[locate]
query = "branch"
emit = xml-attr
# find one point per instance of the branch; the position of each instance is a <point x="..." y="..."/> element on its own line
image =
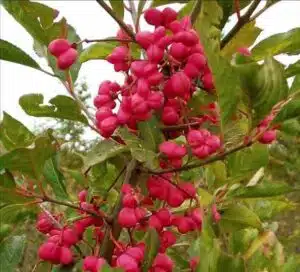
<point x="105" y="40"/>
<point x="116" y="18"/>
<point x="196" y="11"/>
<point x="243" y="20"/>
<point x="268" y="4"/>
<point x="115" y="230"/>
<point x="180" y="127"/>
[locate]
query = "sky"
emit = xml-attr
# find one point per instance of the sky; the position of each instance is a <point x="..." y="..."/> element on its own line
<point x="91" y="22"/>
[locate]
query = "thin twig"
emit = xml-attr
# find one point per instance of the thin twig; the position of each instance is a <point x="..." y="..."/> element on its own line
<point x="243" y="20"/>
<point x="260" y="12"/>
<point x="116" y="18"/>
<point x="105" y="40"/>
<point x="116" y="180"/>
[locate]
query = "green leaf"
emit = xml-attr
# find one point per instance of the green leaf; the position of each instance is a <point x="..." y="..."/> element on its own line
<point x="118" y="7"/>
<point x="29" y="160"/>
<point x="98" y="50"/>
<point x="289" y="111"/>
<point x="103" y="151"/>
<point x="60" y="106"/>
<point x="287" y="43"/>
<point x="230" y="263"/>
<point x="293" y="69"/>
<point x="150" y="133"/>
<point x="152" y="246"/>
<point x="11" y="253"/>
<point x="7" y="189"/>
<point x="244" y="38"/>
<point x="266" y="85"/>
<point x="207" y="248"/>
<point x="55" y="178"/>
<point x="296" y="84"/>
<point x="26" y="13"/>
<point x="11" y="212"/>
<point x="264" y="189"/>
<point x="238" y="216"/>
<point x="246" y="162"/>
<point x="13" y="133"/>
<point x="226" y="78"/>
<point x="12" y="53"/>
<point x="138" y="149"/>
<point x="239" y="240"/>
<point x="60" y="268"/>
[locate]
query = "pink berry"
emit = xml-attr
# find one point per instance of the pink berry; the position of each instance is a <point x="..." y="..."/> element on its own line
<point x="66" y="59"/>
<point x="169" y="15"/>
<point x="49" y="252"/>
<point x="191" y="71"/>
<point x="189" y="188"/>
<point x="155" y="223"/>
<point x="195" y="138"/>
<point x="170" y="116"/>
<point x="155" y="100"/>
<point x="244" y="51"/>
<point x="127" y="218"/>
<point x="164" y="262"/>
<point x="129" y="201"/>
<point x="123" y="116"/>
<point x="103" y="113"/>
<point x="136" y="253"/>
<point x="164" y="216"/>
<point x="66" y="256"/>
<point x="82" y="195"/>
<point x="140" y="213"/>
<point x="144" y="38"/>
<point x="180" y="84"/>
<point x="155" y="54"/>
<point x="70" y="237"/>
<point x="202" y="151"/>
<point x="108" y="126"/>
<point x="175" y="197"/>
<point x="167" y="238"/>
<point x="197" y="216"/>
<point x="213" y="142"/>
<point x="159" y="33"/>
<point x="153" y="17"/>
<point x="179" y="51"/>
<point x="127" y="262"/>
<point x="58" y="47"/>
<point x="207" y="81"/>
<point x="198" y="60"/>
<point x="268" y="137"/>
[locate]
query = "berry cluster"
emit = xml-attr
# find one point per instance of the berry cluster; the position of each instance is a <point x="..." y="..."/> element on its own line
<point x="60" y="239"/>
<point x="160" y="84"/>
<point x="64" y="52"/>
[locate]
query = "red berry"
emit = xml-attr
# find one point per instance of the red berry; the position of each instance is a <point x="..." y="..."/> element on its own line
<point x="144" y="38"/>
<point x="198" y="60"/>
<point x="136" y="253"/>
<point x="66" y="256"/>
<point x="155" y="100"/>
<point x="155" y="223"/>
<point x="213" y="142"/>
<point x="244" y="51"/>
<point x="153" y="17"/>
<point x="164" y="216"/>
<point x="49" y="252"/>
<point x="170" y="116"/>
<point x="129" y="201"/>
<point x="69" y="237"/>
<point x="189" y="188"/>
<point x="191" y="71"/>
<point x="66" y="59"/>
<point x="169" y="15"/>
<point x="195" y="138"/>
<point x="93" y="264"/>
<point x="267" y="137"/>
<point x="59" y="46"/>
<point x="108" y="126"/>
<point x="140" y="213"/>
<point x="154" y="53"/>
<point x="179" y="51"/>
<point x="175" y="197"/>
<point x="127" y="218"/>
<point x="103" y="113"/>
<point x="202" y="151"/>
<point x="128" y="263"/>
<point x="82" y="195"/>
<point x="207" y="81"/>
<point x="164" y="262"/>
<point x="180" y="84"/>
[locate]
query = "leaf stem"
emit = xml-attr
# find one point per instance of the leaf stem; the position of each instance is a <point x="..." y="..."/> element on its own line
<point x="244" y="19"/>
<point x="116" y="18"/>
